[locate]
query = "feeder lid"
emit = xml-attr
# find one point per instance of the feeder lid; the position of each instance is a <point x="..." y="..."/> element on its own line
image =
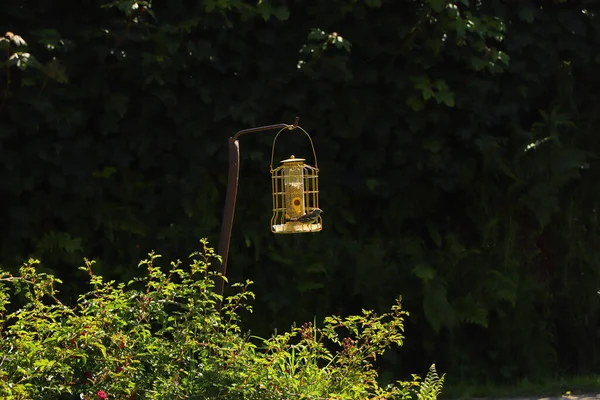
<point x="293" y="159"/>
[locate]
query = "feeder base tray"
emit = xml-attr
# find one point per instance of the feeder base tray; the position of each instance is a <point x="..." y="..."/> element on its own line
<point x="295" y="227"/>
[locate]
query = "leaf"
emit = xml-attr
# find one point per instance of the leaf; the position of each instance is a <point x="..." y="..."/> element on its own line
<point x="438" y="310"/>
<point x="437" y="5"/>
<point x="415" y="103"/>
<point x="317" y="267"/>
<point x="16" y="39"/>
<point x="471" y="310"/>
<point x="43" y="363"/>
<point x="434" y="234"/>
<point x="100" y="347"/>
<point x="56" y="71"/>
<point x="373" y="184"/>
<point x="434" y="145"/>
<point x="427" y="93"/>
<point x="172" y="46"/>
<point x="21" y="60"/>
<point x="543" y="201"/>
<point x="526" y="12"/>
<point x="503" y="57"/>
<point x="4" y="43"/>
<point x="316" y="34"/>
<point x="424" y="272"/>
<point x="446" y="97"/>
<point x="502" y="286"/>
<point x="106" y="172"/>
<point x="373" y="3"/>
<point x="420" y="81"/>
<point x="304" y="287"/>
<point x="117" y="103"/>
<point x="282" y="13"/>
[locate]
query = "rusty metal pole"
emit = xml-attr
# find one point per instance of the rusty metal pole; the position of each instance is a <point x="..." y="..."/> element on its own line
<point x="231" y="196"/>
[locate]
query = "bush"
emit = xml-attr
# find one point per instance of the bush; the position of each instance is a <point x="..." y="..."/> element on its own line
<point x="161" y="336"/>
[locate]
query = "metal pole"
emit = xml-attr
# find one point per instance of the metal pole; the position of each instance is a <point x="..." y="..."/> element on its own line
<point x="231" y="196"/>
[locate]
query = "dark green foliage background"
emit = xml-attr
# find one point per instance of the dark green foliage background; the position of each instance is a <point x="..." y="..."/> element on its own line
<point x="457" y="143"/>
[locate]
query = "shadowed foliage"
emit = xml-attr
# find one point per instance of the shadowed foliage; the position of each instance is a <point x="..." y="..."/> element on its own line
<point x="457" y="153"/>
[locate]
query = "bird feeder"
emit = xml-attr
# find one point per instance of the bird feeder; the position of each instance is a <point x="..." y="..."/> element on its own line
<point x="295" y="194"/>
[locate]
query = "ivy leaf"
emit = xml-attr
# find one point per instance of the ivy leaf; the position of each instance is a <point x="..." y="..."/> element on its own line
<point x="427" y="93"/>
<point x="446" y="97"/>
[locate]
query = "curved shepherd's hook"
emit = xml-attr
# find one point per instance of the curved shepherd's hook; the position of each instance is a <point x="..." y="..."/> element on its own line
<point x="232" y="187"/>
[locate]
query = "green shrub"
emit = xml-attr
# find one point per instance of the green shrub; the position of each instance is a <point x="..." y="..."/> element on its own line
<point x="161" y="337"/>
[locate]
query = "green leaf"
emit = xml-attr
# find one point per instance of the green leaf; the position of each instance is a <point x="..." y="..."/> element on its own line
<point x="282" y="13"/>
<point x="100" y="347"/>
<point x="438" y="310"/>
<point x="502" y="286"/>
<point x="427" y="93"/>
<point x="21" y="60"/>
<point x="437" y="5"/>
<point x="373" y="184"/>
<point x="373" y="3"/>
<point x="415" y="103"/>
<point x="446" y="97"/>
<point x="526" y="12"/>
<point x="434" y="234"/>
<point x="106" y="172"/>
<point x="117" y="103"/>
<point x="43" y="363"/>
<point x="304" y="287"/>
<point x="318" y="267"/>
<point x="424" y="272"/>
<point x="472" y="311"/>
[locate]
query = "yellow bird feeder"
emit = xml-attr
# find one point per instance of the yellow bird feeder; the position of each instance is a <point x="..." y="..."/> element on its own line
<point x="295" y="194"/>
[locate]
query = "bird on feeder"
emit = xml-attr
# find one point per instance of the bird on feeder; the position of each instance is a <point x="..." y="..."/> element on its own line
<point x="307" y="218"/>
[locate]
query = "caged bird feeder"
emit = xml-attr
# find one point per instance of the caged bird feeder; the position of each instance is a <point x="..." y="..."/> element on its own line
<point x="295" y="191"/>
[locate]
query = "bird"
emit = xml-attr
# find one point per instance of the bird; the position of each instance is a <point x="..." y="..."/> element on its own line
<point x="308" y="217"/>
